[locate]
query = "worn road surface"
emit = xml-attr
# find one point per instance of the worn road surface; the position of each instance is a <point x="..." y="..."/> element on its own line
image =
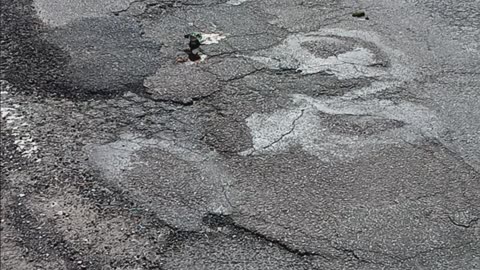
<point x="303" y="138"/>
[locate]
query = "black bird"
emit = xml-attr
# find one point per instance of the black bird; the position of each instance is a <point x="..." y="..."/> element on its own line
<point x="194" y="42"/>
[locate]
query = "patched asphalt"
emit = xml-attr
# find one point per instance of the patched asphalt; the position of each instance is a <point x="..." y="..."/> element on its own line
<point x="303" y="138"/>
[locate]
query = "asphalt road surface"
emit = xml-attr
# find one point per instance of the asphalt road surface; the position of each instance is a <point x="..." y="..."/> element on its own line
<point x="303" y="137"/>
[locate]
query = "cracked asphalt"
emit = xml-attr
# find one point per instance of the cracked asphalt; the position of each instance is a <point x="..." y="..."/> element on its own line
<point x="303" y="138"/>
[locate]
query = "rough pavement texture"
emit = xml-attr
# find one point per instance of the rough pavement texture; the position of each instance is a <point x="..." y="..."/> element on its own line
<point x="306" y="138"/>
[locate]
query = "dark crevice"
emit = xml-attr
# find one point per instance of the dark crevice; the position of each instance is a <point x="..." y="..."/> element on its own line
<point x="276" y="242"/>
<point x="470" y="223"/>
<point x="219" y="220"/>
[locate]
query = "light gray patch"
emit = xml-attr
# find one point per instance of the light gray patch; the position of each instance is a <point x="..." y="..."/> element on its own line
<point x="303" y="125"/>
<point x="236" y="2"/>
<point x="363" y="55"/>
<point x="107" y="55"/>
<point x="291" y="55"/>
<point x="181" y="83"/>
<point x="180" y="183"/>
<point x="273" y="129"/>
<point x="392" y="59"/>
<point x="114" y="158"/>
<point x="14" y="119"/>
<point x="61" y="12"/>
<point x="227" y="134"/>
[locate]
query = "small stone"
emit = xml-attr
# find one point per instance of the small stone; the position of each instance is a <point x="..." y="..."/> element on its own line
<point x="181" y="59"/>
<point x="358" y="14"/>
<point x="21" y="195"/>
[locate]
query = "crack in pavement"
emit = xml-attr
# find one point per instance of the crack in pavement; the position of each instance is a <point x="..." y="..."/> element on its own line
<point x="271" y="240"/>
<point x="287" y="133"/>
<point x="282" y="136"/>
<point x="470" y="223"/>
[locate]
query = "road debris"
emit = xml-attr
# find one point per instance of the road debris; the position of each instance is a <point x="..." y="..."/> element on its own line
<point x="195" y="40"/>
<point x="211" y="38"/>
<point x="358" y="14"/>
